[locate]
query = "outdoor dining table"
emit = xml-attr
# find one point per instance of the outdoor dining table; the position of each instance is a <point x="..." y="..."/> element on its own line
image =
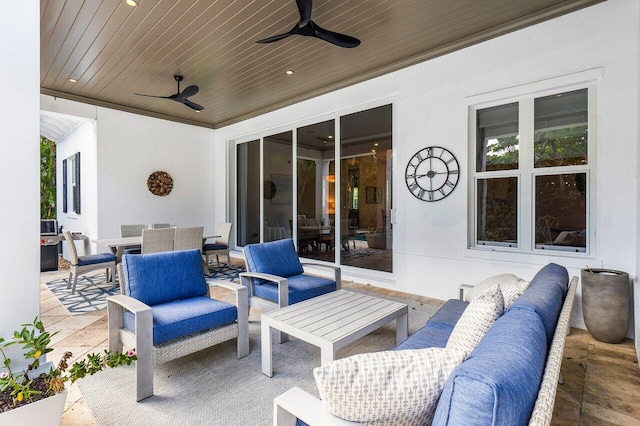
<point x="117" y="245"/>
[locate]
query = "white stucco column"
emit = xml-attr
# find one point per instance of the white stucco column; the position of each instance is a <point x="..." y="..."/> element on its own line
<point x="19" y="171"/>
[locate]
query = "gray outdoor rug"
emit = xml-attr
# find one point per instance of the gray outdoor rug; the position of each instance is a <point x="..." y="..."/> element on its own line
<point x="226" y="272"/>
<point x="213" y="387"/>
<point x="91" y="293"/>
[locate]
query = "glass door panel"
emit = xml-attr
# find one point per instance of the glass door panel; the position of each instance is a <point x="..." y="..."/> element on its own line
<point x="278" y="186"/>
<point x="248" y="193"/>
<point x="366" y="235"/>
<point x="315" y="224"/>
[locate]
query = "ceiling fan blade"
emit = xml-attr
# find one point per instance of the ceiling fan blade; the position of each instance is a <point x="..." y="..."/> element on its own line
<point x="338" y="39"/>
<point x="188" y="92"/>
<point x="304" y="7"/>
<point x="152" y="96"/>
<point x="294" y="30"/>
<point x="193" y="105"/>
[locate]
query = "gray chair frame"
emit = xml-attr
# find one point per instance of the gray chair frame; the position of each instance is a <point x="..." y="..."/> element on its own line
<point x="150" y="355"/>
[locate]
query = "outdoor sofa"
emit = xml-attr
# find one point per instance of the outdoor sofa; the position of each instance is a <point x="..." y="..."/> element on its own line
<point x="510" y="378"/>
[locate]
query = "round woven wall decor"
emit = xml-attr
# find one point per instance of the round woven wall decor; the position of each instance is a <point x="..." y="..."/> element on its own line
<point x="160" y="183"/>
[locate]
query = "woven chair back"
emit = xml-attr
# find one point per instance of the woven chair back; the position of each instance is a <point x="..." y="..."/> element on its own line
<point x="73" y="252"/>
<point x="131" y="230"/>
<point x="157" y="240"/>
<point x="188" y="238"/>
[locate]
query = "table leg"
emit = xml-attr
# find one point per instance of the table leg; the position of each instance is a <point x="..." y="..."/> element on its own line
<point x="402" y="328"/>
<point x="267" y="362"/>
<point x="327" y="354"/>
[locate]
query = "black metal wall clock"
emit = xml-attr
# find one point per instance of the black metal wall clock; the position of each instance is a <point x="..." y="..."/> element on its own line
<point x="432" y="173"/>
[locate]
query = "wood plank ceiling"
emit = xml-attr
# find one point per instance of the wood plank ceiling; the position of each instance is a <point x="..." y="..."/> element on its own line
<point x="114" y="50"/>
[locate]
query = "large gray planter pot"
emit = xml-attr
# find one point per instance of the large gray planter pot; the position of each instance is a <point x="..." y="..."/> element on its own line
<point x="605" y="303"/>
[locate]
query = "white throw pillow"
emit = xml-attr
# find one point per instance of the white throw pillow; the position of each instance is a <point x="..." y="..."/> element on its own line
<point x="392" y="387"/>
<point x="476" y="320"/>
<point x="510" y="285"/>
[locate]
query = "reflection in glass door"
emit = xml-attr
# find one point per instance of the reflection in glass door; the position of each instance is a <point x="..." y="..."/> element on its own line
<point x="278" y="186"/>
<point x="248" y="193"/>
<point x="365" y="189"/>
<point x="315" y="217"/>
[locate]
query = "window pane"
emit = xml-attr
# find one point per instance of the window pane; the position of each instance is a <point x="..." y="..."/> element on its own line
<point x="498" y="211"/>
<point x="561" y="211"/>
<point x="497" y="139"/>
<point x="561" y="130"/>
<point x="248" y="193"/>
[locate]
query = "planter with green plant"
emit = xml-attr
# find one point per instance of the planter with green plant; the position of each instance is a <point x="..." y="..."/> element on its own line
<point x="36" y="395"/>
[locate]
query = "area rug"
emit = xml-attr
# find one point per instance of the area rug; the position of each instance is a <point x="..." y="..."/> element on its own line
<point x="91" y="293"/>
<point x="213" y="387"/>
<point x="226" y="272"/>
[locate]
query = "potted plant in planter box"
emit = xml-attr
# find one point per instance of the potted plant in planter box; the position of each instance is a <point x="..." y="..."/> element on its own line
<point x="37" y="394"/>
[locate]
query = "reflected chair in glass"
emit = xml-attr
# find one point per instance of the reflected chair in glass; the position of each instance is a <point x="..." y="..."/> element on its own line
<point x="80" y="265"/>
<point x="157" y="240"/>
<point x="220" y="246"/>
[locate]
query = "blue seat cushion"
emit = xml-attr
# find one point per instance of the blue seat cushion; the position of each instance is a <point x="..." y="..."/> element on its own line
<point x="428" y="336"/>
<point x="133" y="250"/>
<point x="545" y="299"/>
<point x="301" y="287"/>
<point x="158" y="278"/>
<point x="184" y="317"/>
<point x="92" y="259"/>
<point x="498" y="383"/>
<point x="208" y="247"/>
<point x="274" y="257"/>
<point x="448" y="315"/>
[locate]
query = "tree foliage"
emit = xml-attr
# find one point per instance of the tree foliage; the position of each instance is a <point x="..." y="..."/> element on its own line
<point x="47" y="178"/>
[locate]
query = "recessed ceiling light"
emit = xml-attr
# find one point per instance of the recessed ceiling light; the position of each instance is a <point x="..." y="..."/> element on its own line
<point x="197" y="110"/>
<point x="289" y="72"/>
<point x="330" y="137"/>
<point x="375" y="144"/>
<point x="73" y="80"/>
<point x="132" y="3"/>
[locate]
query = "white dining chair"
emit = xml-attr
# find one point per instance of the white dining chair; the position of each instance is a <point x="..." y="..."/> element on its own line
<point x="156" y="240"/>
<point x="80" y="265"/>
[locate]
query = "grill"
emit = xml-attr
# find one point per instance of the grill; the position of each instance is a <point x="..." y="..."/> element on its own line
<point x="49" y="245"/>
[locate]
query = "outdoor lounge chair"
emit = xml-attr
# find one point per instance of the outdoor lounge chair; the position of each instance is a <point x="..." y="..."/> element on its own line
<point x="166" y="312"/>
<point x="275" y="277"/>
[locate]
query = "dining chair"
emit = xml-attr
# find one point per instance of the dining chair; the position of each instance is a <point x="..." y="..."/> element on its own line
<point x="157" y="240"/>
<point x="188" y="238"/>
<point x="80" y="265"/>
<point x="132" y="231"/>
<point x="159" y="225"/>
<point x="221" y="244"/>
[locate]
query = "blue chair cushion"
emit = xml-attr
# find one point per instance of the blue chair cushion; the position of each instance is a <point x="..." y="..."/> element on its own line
<point x="214" y="246"/>
<point x="184" y="317"/>
<point x="133" y="250"/>
<point x="448" y="315"/>
<point x="498" y="383"/>
<point x="556" y="274"/>
<point x="301" y="287"/>
<point x="274" y="257"/>
<point x="545" y="299"/>
<point x="157" y="278"/>
<point x="92" y="259"/>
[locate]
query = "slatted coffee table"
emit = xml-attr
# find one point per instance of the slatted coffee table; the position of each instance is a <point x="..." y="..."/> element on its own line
<point x="332" y="321"/>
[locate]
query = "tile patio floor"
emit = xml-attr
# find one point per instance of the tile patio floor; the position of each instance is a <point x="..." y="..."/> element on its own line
<point x="601" y="381"/>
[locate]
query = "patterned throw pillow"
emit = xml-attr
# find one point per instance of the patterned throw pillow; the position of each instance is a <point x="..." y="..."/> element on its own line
<point x="392" y="387"/>
<point x="510" y="285"/>
<point x="476" y="320"/>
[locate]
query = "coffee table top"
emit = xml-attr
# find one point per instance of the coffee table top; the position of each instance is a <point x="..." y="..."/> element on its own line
<point x="333" y="316"/>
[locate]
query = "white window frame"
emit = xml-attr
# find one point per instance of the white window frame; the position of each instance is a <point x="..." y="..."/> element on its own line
<point x="525" y="95"/>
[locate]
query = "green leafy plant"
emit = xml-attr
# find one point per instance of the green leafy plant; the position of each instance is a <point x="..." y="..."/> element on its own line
<point x="19" y="388"/>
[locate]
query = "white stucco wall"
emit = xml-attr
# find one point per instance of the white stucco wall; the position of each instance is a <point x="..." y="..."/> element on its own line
<point x="431" y="108"/>
<point x="126" y="149"/>
<point x="19" y="173"/>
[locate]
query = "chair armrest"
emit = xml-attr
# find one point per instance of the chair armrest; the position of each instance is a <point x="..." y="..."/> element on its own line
<point x="224" y="284"/>
<point x="298" y="404"/>
<point x="464" y="288"/>
<point x="246" y="279"/>
<point x="129" y="303"/>
<point x="267" y="277"/>
<point x="242" y="295"/>
<point x="337" y="274"/>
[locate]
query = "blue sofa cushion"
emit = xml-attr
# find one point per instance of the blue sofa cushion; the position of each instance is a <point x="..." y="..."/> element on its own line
<point x="92" y="259"/>
<point x="498" y="383"/>
<point x="556" y="274"/>
<point x="274" y="257"/>
<point x="448" y="315"/>
<point x="133" y="250"/>
<point x="183" y="317"/>
<point x="157" y="278"/>
<point x="545" y="299"/>
<point x="428" y="336"/>
<point x="301" y="287"/>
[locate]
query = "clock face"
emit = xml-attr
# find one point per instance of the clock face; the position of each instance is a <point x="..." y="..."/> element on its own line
<point x="432" y="173"/>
